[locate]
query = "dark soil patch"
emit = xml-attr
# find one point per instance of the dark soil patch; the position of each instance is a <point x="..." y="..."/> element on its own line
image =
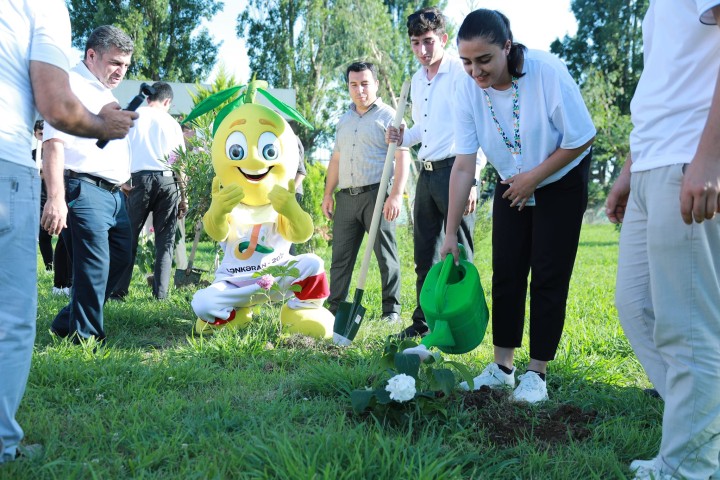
<point x="507" y="423"/>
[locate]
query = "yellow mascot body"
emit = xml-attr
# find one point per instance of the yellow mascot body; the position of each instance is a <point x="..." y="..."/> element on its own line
<point x="255" y="216"/>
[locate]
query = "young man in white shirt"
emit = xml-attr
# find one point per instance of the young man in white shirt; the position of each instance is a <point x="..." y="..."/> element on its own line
<point x="154" y="187"/>
<point x="432" y="93"/>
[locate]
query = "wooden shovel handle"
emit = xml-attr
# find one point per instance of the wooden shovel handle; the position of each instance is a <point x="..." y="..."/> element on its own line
<point x="387" y="169"/>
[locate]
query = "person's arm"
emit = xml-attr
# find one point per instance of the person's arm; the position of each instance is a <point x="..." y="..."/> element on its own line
<point x="471" y="203"/>
<point x="393" y="204"/>
<point x="331" y="182"/>
<point x="461" y="181"/>
<point x="299" y="177"/>
<point x="700" y="191"/>
<point x="523" y="185"/>
<point x="54" y="214"/>
<point x="617" y="198"/>
<point x="59" y="106"/>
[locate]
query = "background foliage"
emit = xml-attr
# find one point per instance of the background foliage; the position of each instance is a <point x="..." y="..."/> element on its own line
<point x="169" y="43"/>
<point x="605" y="58"/>
<point x="307" y="44"/>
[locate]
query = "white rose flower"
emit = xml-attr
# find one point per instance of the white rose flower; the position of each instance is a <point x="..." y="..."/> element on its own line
<point x="401" y="388"/>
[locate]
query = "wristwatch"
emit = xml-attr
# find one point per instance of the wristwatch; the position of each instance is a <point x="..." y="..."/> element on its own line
<point x="475" y="182"/>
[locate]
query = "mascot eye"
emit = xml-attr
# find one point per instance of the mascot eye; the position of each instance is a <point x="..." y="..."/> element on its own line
<point x="269" y="145"/>
<point x="236" y="146"/>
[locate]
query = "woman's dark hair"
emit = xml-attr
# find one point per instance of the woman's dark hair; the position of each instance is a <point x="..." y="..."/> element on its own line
<point x="494" y="28"/>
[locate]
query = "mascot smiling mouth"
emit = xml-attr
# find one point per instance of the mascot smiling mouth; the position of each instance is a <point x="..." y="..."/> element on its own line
<point x="255" y="175"/>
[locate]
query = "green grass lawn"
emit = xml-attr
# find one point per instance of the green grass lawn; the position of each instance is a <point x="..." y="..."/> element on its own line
<point x="155" y="403"/>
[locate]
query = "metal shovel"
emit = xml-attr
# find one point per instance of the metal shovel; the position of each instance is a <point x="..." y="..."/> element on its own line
<point x="190" y="275"/>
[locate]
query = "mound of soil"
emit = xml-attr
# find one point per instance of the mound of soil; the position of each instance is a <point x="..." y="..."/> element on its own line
<point x="506" y="423"/>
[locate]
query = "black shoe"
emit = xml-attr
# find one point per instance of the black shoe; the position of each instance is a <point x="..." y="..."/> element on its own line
<point x="117" y="297"/>
<point x="58" y="332"/>
<point x="413" y="331"/>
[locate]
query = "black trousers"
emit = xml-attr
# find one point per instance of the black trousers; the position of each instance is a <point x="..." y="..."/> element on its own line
<point x="430" y="212"/>
<point x="540" y="240"/>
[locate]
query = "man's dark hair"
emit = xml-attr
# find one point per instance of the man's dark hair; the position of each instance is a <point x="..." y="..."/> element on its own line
<point x="105" y="37"/>
<point x="360" y="67"/>
<point x="426" y="20"/>
<point x="39" y="125"/>
<point x="163" y="91"/>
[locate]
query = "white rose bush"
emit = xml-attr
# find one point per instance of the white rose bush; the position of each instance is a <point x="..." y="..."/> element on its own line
<point x="407" y="384"/>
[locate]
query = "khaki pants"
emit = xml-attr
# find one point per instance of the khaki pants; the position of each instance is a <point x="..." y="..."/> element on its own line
<point x="668" y="300"/>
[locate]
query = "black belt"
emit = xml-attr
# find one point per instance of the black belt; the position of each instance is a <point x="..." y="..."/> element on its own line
<point x="162" y="173"/>
<point x="438" y="164"/>
<point x="97" y="181"/>
<point x="359" y="190"/>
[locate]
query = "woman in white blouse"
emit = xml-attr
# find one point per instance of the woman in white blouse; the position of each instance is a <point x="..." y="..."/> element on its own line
<point x="526" y="112"/>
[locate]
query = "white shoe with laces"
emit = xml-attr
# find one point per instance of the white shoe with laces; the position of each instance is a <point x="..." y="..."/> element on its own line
<point x="636" y="465"/>
<point x="532" y="389"/>
<point x="61" y="291"/>
<point x="492" y="377"/>
<point x="649" y="470"/>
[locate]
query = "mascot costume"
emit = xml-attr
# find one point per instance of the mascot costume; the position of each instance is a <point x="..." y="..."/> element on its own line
<point x="254" y="215"/>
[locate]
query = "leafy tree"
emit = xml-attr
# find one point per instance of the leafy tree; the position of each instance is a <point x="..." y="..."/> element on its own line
<point x="609" y="40"/>
<point x="168" y="44"/>
<point x="306" y="45"/>
<point x="605" y="58"/>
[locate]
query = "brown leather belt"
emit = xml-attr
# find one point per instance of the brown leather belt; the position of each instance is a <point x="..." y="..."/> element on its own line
<point x="359" y="190"/>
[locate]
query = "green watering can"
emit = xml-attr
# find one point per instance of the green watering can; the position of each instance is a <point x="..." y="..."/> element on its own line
<point x="453" y="301"/>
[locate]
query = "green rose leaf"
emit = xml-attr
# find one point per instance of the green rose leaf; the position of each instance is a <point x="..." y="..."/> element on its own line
<point x="463" y="371"/>
<point x="407" y="364"/>
<point x="443" y="379"/>
<point x="382" y="396"/>
<point x="361" y="399"/>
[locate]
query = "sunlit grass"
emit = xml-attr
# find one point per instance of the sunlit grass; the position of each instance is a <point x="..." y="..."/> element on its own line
<point x="157" y="403"/>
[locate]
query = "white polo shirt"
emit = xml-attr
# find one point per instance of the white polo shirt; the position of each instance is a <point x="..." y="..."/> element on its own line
<point x="432" y="111"/>
<point x="29" y="30"/>
<point x="155" y="135"/>
<point x="81" y="154"/>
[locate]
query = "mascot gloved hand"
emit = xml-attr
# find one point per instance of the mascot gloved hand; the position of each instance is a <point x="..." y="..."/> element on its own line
<point x="255" y="217"/>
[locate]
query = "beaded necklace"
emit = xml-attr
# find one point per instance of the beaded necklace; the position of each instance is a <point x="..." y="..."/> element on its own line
<point x="514" y="148"/>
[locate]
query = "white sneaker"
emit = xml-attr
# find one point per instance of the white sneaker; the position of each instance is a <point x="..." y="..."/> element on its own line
<point x="61" y="291"/>
<point x="532" y="389"/>
<point x="651" y="474"/>
<point x="492" y="377"/>
<point x="648" y="470"/>
<point x="636" y="465"/>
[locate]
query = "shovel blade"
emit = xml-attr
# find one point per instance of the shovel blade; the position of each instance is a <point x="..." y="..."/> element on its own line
<point x="348" y="319"/>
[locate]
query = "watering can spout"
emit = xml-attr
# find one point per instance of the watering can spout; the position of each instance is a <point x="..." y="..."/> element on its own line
<point x="441" y="336"/>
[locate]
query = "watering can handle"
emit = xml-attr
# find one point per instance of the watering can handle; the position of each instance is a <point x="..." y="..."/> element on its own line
<point x="447" y="267"/>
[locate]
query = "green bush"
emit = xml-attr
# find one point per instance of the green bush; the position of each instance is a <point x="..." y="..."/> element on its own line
<point x="313" y="191"/>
